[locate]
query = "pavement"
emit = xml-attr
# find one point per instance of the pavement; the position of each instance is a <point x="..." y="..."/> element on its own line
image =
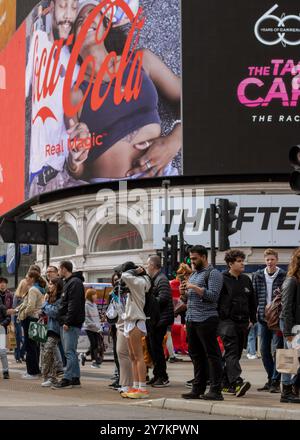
<point x="21" y="393"/>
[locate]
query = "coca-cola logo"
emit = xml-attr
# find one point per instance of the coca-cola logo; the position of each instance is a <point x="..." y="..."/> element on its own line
<point x="48" y="69"/>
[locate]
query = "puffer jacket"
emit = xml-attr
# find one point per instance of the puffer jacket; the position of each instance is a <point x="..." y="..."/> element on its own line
<point x="161" y="289"/>
<point x="260" y="289"/>
<point x="290" y="313"/>
<point x="51" y="310"/>
<point x="72" y="307"/>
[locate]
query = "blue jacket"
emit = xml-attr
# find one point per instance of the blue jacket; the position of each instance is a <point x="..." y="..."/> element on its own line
<point x="51" y="310"/>
<point x="260" y="289"/>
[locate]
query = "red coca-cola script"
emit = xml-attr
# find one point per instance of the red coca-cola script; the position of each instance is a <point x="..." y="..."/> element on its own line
<point x="46" y="77"/>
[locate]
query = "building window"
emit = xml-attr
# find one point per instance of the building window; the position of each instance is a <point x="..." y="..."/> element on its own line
<point x="68" y="242"/>
<point x="117" y="238"/>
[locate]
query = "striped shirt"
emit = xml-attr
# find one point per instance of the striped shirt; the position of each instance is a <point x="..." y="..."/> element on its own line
<point x="200" y="308"/>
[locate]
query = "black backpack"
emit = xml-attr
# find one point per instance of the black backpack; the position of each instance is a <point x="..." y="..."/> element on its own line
<point x="151" y="310"/>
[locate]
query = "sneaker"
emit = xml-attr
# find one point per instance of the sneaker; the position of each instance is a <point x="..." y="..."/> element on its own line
<point x="5" y="375"/>
<point x="130" y="390"/>
<point x="63" y="384"/>
<point x="95" y="365"/>
<point x="114" y="384"/>
<point x="30" y="376"/>
<point x="189" y="383"/>
<point x="229" y="390"/>
<point x="266" y="387"/>
<point x="138" y="394"/>
<point x="251" y="356"/>
<point x="47" y="383"/>
<point x="151" y="381"/>
<point x="212" y="395"/>
<point x="241" y="389"/>
<point x="174" y="359"/>
<point x="191" y="395"/>
<point x="76" y="382"/>
<point x="161" y="383"/>
<point x="275" y="387"/>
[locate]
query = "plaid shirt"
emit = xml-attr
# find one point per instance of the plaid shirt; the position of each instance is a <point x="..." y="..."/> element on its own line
<point x="200" y="308"/>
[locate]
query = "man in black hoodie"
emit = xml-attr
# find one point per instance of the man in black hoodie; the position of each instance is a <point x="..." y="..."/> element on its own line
<point x="237" y="311"/>
<point x="71" y="315"/>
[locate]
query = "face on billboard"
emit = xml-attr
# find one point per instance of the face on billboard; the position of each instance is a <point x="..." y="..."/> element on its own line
<point x="7" y="21"/>
<point x="63" y="18"/>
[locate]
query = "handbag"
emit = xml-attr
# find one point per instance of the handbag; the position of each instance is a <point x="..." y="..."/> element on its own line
<point x="287" y="360"/>
<point x="114" y="309"/>
<point x="37" y="331"/>
<point x="11" y="337"/>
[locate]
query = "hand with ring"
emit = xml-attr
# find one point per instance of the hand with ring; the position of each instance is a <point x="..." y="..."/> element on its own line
<point x="157" y="154"/>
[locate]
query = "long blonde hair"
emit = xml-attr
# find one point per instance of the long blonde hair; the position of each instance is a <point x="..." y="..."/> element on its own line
<point x="294" y="266"/>
<point x="22" y="289"/>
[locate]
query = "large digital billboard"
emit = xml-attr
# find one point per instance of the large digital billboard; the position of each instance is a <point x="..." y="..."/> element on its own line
<point x="240" y="86"/>
<point x="99" y="84"/>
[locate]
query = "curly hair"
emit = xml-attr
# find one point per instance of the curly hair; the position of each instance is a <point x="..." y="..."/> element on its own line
<point x="232" y="255"/>
<point x="294" y="266"/>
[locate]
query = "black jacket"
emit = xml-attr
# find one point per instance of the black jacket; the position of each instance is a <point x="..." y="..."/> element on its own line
<point x="290" y="313"/>
<point x="4" y="318"/>
<point x="237" y="299"/>
<point x="72" y="308"/>
<point x="161" y="289"/>
<point x="260" y="288"/>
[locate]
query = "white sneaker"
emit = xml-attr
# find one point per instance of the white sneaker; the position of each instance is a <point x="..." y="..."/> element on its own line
<point x="47" y="383"/>
<point x="251" y="356"/>
<point x="29" y="376"/>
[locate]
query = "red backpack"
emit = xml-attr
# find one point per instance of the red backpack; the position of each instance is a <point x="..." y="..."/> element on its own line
<point x="273" y="310"/>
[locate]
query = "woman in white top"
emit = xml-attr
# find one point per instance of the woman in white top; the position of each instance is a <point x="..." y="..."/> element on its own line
<point x="138" y="284"/>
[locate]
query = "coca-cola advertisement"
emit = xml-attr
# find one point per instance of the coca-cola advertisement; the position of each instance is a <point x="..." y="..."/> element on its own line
<point x="103" y="92"/>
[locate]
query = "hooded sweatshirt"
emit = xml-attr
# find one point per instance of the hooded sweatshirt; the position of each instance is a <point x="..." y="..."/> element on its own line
<point x="138" y="286"/>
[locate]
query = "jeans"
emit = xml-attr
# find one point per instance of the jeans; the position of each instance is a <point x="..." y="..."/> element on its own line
<point x="32" y="349"/>
<point x="205" y="353"/>
<point x="20" y="348"/>
<point x="70" y="340"/>
<point x="156" y="338"/>
<point x="270" y="341"/>
<point x="252" y="338"/>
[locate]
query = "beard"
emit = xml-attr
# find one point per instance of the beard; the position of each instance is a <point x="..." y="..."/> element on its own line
<point x="55" y="29"/>
<point x="199" y="265"/>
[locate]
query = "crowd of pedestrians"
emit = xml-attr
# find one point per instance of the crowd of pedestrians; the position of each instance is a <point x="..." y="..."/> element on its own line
<point x="224" y="314"/>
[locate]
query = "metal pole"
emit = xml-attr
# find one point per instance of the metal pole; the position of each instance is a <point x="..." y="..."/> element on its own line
<point x="166" y="184"/>
<point x="47" y="244"/>
<point x="213" y="233"/>
<point x="16" y="255"/>
<point x="181" y="238"/>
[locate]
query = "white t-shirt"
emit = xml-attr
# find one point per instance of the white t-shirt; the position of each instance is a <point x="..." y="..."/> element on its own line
<point x="269" y="281"/>
<point x="48" y="138"/>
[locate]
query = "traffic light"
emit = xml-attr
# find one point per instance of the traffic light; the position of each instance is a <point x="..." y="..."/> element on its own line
<point x="187" y="258"/>
<point x="226" y="210"/>
<point x="171" y="253"/>
<point x="294" y="157"/>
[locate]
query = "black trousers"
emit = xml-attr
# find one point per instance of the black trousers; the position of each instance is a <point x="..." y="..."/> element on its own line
<point x="205" y="353"/>
<point x="233" y="336"/>
<point x="95" y="346"/>
<point x="156" y="338"/>
<point x="32" y="350"/>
